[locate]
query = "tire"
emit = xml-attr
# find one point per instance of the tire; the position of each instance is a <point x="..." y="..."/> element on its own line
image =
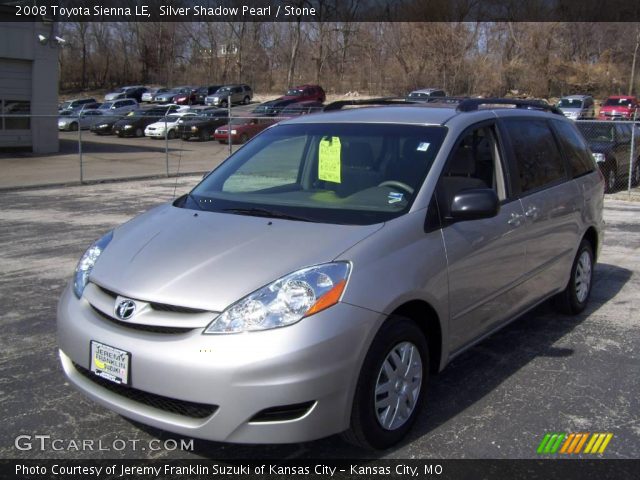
<point x="246" y="100"/>
<point x="139" y="132"/>
<point x="244" y="138"/>
<point x="223" y="104"/>
<point x="222" y="142"/>
<point x="610" y="178"/>
<point x="204" y="136"/>
<point x="171" y="135"/>
<point x="186" y="138"/>
<point x="375" y="425"/>
<point x="575" y="296"/>
<point x="635" y="174"/>
<point x="73" y="127"/>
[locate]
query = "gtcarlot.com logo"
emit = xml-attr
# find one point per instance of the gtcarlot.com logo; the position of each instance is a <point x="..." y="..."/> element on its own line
<point x="574" y="443"/>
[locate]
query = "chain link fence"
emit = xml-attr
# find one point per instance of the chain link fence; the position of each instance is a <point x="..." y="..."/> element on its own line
<point x="174" y="140"/>
<point x="616" y="148"/>
<point x="151" y="141"/>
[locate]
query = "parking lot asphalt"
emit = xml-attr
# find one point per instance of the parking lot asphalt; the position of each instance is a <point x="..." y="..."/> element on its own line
<point x="543" y="373"/>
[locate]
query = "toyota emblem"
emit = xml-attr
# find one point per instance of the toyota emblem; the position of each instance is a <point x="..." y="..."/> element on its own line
<point x="125" y="309"/>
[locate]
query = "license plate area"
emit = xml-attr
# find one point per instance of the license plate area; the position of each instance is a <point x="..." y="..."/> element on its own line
<point x="110" y="363"/>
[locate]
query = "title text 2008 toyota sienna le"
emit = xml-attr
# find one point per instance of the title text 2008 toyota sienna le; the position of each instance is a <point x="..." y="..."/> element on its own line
<point x="312" y="282"/>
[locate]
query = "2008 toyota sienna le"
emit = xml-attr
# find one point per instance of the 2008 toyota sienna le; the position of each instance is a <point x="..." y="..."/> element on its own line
<point x="312" y="282"/>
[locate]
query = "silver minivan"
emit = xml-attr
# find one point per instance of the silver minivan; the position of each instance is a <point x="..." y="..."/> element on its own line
<point x="314" y="281"/>
<point x="577" y="107"/>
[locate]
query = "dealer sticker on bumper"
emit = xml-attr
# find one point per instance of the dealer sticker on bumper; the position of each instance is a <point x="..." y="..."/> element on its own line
<point x="110" y="363"/>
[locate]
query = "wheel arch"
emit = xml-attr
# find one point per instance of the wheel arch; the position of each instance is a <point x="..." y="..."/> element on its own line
<point x="591" y="235"/>
<point x="427" y="319"/>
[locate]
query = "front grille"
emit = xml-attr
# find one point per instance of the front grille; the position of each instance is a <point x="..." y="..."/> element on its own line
<point x="143" y="328"/>
<point x="158" y="306"/>
<point x="282" y="413"/>
<point x="166" y="404"/>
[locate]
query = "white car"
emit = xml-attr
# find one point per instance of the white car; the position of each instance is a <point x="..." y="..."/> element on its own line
<point x="170" y="122"/>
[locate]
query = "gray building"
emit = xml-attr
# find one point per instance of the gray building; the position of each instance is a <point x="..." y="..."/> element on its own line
<point x="28" y="85"/>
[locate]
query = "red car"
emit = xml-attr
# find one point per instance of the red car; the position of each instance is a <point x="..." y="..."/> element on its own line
<point x="187" y="96"/>
<point x="304" y="93"/>
<point x="619" y="107"/>
<point x="242" y="129"/>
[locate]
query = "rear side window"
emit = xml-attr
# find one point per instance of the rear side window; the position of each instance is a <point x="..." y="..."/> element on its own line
<point x="575" y="149"/>
<point x="536" y="153"/>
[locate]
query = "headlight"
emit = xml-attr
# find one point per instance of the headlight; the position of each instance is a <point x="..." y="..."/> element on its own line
<point x="194" y="129"/>
<point x="104" y="125"/>
<point x="599" y="157"/>
<point x="87" y="262"/>
<point x="233" y="132"/>
<point x="285" y="301"/>
<point x="127" y="126"/>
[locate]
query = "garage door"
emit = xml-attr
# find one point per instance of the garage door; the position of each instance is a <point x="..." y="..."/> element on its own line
<point x="15" y="98"/>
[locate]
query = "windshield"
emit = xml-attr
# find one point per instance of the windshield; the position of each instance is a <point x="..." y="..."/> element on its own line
<point x="106" y="106"/>
<point x="331" y="173"/>
<point x="65" y="105"/>
<point x="617" y="102"/>
<point x="570" y="103"/>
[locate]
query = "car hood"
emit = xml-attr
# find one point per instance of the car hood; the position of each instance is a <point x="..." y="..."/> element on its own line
<point x="162" y="124"/>
<point x="209" y="260"/>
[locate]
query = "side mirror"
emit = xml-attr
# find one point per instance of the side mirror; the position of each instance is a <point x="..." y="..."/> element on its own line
<point x="475" y="203"/>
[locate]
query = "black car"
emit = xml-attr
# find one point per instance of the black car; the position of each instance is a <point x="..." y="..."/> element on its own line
<point x="133" y="125"/>
<point x="610" y="143"/>
<point x="204" y="92"/>
<point x="272" y="108"/>
<point x="105" y="125"/>
<point x="203" y="125"/>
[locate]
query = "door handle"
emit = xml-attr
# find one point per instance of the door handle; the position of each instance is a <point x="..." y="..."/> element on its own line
<point x="515" y="219"/>
<point x="532" y="212"/>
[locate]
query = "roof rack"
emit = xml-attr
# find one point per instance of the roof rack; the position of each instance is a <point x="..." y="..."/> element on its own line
<point x="472" y="104"/>
<point x="338" y="105"/>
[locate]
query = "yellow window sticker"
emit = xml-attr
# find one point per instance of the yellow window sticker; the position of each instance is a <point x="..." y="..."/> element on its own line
<point x="329" y="159"/>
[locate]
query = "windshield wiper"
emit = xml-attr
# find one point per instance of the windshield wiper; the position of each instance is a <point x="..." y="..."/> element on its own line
<point x="263" y="212"/>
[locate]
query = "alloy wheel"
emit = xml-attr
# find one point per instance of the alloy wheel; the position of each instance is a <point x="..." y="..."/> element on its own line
<point x="583" y="276"/>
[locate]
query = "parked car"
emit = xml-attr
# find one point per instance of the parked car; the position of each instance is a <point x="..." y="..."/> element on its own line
<point x="301" y="108"/>
<point x="105" y="125"/>
<point x="119" y="107"/>
<point x="577" y="107"/>
<point x="126" y="92"/>
<point x="238" y="93"/>
<point x="272" y="108"/>
<point x="426" y="95"/>
<point x="314" y="281"/>
<point x="619" y="107"/>
<point x="204" y="92"/>
<point x="186" y="97"/>
<point x="133" y="125"/>
<point x="71" y="121"/>
<point x="149" y="95"/>
<point x="304" y="93"/>
<point x="202" y="125"/>
<point x="77" y="104"/>
<point x="242" y="129"/>
<point x="168" y="96"/>
<point x="166" y="126"/>
<point x="610" y="143"/>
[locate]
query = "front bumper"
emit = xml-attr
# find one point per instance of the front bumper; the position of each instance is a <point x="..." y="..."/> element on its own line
<point x="157" y="133"/>
<point x="315" y="361"/>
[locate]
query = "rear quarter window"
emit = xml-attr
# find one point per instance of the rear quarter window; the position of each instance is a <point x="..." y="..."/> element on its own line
<point x="575" y="149"/>
<point x="537" y="158"/>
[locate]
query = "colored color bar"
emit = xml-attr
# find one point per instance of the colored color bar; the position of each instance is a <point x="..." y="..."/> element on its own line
<point x="591" y="442"/>
<point x="551" y="442"/>
<point x="567" y="442"/>
<point x="556" y="446"/>
<point x="606" y="442"/>
<point x="600" y="439"/>
<point x="577" y="438"/>
<point x="543" y="443"/>
<point x="581" y="443"/>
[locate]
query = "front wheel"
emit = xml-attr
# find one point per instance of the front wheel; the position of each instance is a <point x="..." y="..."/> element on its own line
<point x="575" y="296"/>
<point x="390" y="387"/>
<point x="171" y="134"/>
<point x="611" y="178"/>
<point x="635" y="175"/>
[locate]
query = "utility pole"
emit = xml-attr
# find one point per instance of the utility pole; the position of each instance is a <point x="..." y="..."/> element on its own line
<point x="633" y="63"/>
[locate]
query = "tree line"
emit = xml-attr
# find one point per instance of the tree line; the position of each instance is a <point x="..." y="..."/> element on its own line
<point x="484" y="58"/>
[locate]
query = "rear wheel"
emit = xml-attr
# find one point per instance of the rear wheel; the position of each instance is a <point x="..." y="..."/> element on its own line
<point x="575" y="296"/>
<point x="611" y="178"/>
<point x="390" y="387"/>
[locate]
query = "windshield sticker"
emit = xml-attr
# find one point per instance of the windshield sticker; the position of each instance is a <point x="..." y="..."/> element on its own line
<point x="394" y="197"/>
<point x="423" y="147"/>
<point x="329" y="159"/>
